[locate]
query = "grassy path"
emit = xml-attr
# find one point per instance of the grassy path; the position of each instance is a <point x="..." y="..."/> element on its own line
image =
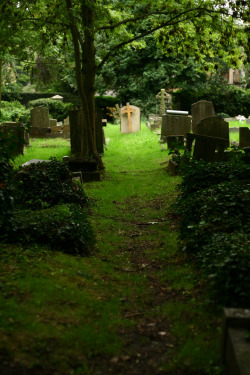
<point x="133" y="307"/>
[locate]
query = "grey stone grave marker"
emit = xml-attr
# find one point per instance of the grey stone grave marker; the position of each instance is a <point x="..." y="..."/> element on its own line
<point x="40" y="117"/>
<point x="201" y="110"/>
<point x="175" y="125"/>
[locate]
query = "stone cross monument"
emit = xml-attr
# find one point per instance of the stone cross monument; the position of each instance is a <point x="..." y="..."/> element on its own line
<point x="163" y="96"/>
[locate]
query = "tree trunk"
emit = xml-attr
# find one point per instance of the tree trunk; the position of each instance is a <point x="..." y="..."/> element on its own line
<point x="1" y="69"/>
<point x="84" y="53"/>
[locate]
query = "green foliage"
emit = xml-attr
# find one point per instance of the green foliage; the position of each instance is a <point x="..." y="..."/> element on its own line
<point x="63" y="227"/>
<point x="231" y="101"/>
<point x="6" y="188"/>
<point x="214" y="209"/>
<point x="26" y="97"/>
<point x="46" y="184"/>
<point x="57" y="109"/>
<point x="14" y="111"/>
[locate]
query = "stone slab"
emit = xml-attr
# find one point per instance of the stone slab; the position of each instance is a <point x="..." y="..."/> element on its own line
<point x="39" y="117"/>
<point x="214" y="127"/>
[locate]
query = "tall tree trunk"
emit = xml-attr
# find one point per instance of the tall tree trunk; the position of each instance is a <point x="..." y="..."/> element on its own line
<point x="84" y="53"/>
<point x="1" y="69"/>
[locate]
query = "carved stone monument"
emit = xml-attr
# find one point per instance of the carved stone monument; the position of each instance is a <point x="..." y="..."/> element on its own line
<point x="163" y="96"/>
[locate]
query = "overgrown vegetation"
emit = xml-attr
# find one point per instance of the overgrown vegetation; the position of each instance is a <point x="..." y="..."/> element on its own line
<point x="14" y="111"/>
<point x="214" y="209"/>
<point x="133" y="306"/>
<point x="57" y="109"/>
<point x="41" y="204"/>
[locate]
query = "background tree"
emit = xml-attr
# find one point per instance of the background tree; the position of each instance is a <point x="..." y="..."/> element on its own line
<point x="100" y="29"/>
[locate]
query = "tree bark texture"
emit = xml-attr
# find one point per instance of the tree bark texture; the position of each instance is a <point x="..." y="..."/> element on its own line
<point x="84" y="52"/>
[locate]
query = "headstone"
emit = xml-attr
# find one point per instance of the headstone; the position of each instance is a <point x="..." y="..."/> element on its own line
<point x="18" y="137"/>
<point x="205" y="147"/>
<point x="235" y="346"/>
<point x="37" y="132"/>
<point x="52" y="122"/>
<point x="175" y="125"/>
<point x="57" y="97"/>
<point x="163" y="97"/>
<point x="130" y="119"/>
<point x="244" y="137"/>
<point x="66" y="121"/>
<point x="40" y="117"/>
<point x="214" y="127"/>
<point x="77" y="138"/>
<point x="248" y="121"/>
<point x="201" y="110"/>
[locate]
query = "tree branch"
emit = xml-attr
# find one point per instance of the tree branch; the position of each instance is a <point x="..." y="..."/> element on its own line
<point x="164" y="24"/>
<point x="140" y="18"/>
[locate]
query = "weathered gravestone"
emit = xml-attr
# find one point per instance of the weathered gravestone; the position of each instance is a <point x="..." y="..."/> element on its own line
<point x="244" y="137"/>
<point x="205" y="147"/>
<point x="39" y="117"/>
<point x="173" y="125"/>
<point x="235" y="346"/>
<point x="248" y="121"/>
<point x="52" y="122"/>
<point x="130" y="119"/>
<point x="19" y="137"/>
<point x="40" y="124"/>
<point x="213" y="127"/>
<point x="199" y="111"/>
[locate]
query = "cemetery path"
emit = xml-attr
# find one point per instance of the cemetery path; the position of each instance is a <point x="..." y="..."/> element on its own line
<point x="154" y="283"/>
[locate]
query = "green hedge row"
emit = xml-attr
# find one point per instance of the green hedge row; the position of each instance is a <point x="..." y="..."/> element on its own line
<point x="214" y="209"/>
<point x="232" y="101"/>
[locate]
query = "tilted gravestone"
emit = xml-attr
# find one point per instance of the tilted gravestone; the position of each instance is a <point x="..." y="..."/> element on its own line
<point x="213" y="127"/>
<point x="244" y="137"/>
<point x="175" y="125"/>
<point x="199" y="111"/>
<point x="130" y="119"/>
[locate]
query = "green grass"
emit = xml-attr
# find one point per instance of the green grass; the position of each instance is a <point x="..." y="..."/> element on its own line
<point x="84" y="315"/>
<point x="44" y="149"/>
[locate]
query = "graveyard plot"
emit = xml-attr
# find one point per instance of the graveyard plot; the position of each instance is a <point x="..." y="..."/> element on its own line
<point x="134" y="305"/>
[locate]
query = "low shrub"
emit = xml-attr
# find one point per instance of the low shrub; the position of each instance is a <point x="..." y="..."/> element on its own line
<point x="6" y="188"/>
<point x="46" y="184"/>
<point x="14" y="111"/>
<point x="64" y="227"/>
<point x="214" y="209"/>
<point x="57" y="109"/>
<point x="225" y="261"/>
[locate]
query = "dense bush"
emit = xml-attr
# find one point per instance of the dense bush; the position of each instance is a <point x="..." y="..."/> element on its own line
<point x="6" y="188"/>
<point x="57" y="109"/>
<point x="46" y="184"/>
<point x="63" y="227"/>
<point x="26" y="97"/>
<point x="214" y="209"/>
<point x="14" y="111"/>
<point x="229" y="100"/>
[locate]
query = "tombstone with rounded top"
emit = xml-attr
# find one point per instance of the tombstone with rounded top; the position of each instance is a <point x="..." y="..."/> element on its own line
<point x="201" y="110"/>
